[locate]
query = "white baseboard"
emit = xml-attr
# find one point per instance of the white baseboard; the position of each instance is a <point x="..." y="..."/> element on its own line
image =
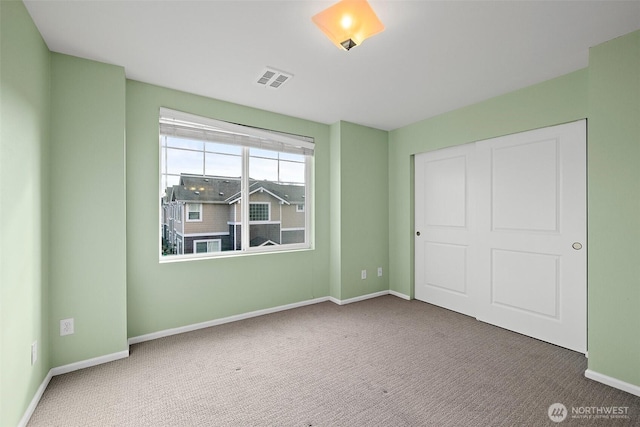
<point x="399" y="295"/>
<point x="335" y="300"/>
<point x="612" y="382"/>
<point x="360" y="298"/>
<point x="235" y="318"/>
<point x="89" y="362"/>
<point x="34" y="402"/>
<point x="64" y="370"/>
<point x="215" y="322"/>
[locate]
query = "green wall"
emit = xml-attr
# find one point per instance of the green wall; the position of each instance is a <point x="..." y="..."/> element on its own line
<point x="614" y="208"/>
<point x="168" y="295"/>
<point x="359" y="230"/>
<point x="24" y="211"/>
<point x="88" y="261"/>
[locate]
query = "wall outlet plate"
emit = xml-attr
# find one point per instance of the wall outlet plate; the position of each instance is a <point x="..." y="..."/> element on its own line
<point x="379" y="271"/>
<point x="363" y="274"/>
<point x="66" y="327"/>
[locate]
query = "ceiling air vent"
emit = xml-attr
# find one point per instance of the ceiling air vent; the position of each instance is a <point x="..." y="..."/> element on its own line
<point x="273" y="78"/>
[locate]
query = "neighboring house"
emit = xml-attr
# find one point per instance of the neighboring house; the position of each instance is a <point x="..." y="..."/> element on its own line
<point x="202" y="214"/>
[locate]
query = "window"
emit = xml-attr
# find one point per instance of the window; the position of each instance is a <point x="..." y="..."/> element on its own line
<point x="194" y="212"/>
<point x="204" y="246"/>
<point x="248" y="179"/>
<point x="259" y="211"/>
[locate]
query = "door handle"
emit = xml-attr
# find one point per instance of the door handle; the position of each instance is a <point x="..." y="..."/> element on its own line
<point x="577" y="246"/>
<point x="417" y="233"/>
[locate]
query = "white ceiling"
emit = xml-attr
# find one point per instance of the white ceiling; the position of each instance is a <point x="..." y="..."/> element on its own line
<point x="433" y="57"/>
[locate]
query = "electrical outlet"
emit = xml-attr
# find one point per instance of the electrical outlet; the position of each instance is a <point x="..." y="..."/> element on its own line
<point x="363" y="274"/>
<point x="66" y="327"/>
<point x="34" y="353"/>
<point x="379" y="271"/>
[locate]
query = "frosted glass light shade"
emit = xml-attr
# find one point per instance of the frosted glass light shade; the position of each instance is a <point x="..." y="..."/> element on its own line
<point x="348" y="23"/>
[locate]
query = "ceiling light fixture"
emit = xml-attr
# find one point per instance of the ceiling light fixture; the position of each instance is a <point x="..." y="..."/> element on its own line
<point x="348" y="23"/>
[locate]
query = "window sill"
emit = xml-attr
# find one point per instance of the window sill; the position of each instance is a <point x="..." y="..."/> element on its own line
<point x="231" y="254"/>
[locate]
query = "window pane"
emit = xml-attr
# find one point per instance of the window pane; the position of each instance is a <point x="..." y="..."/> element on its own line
<point x="262" y="234"/>
<point x="291" y="172"/>
<point x="292" y="157"/>
<point x="223" y="165"/>
<point x="182" y="161"/>
<point x="172" y="180"/>
<point x="201" y="247"/>
<point x="263" y="169"/>
<point x="192" y="144"/>
<point x="193" y="211"/>
<point x="256" y="152"/>
<point x="216" y="147"/>
<point x="259" y="212"/>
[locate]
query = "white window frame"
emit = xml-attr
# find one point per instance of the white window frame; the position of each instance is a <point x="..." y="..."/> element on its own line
<point x="197" y="127"/>
<point x="260" y="221"/>
<point x="207" y="241"/>
<point x="187" y="219"/>
<point x="300" y="207"/>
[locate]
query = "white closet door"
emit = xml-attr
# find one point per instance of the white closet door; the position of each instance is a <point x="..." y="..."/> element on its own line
<point x="532" y="225"/>
<point x="444" y="228"/>
<point x="502" y="226"/>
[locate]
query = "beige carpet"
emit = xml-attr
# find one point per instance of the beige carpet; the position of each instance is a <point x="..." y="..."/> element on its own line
<point x="380" y="362"/>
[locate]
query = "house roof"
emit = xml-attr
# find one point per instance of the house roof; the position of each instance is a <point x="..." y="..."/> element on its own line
<point x="261" y="241"/>
<point x="205" y="189"/>
<point x="214" y="189"/>
<point x="287" y="193"/>
<point x="168" y="195"/>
